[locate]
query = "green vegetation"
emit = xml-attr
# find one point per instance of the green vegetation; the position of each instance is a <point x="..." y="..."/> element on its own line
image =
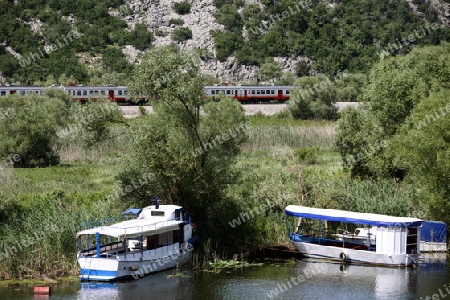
<point x="176" y="22"/>
<point x="345" y="36"/>
<point x="181" y="34"/>
<point x="189" y="162"/>
<point x="402" y="131"/>
<point x="182" y="8"/>
<point x="388" y="156"/>
<point x="349" y="35"/>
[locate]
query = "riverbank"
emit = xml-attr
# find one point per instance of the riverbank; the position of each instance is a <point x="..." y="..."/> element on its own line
<point x="283" y="162"/>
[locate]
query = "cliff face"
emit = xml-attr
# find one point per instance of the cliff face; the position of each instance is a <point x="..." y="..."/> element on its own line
<point x="157" y="15"/>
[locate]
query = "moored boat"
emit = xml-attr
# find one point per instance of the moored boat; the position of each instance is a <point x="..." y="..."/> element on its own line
<point x="160" y="238"/>
<point x="327" y="233"/>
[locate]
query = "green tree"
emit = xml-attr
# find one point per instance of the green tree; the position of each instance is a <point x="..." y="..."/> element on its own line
<point x="90" y="123"/>
<point x="396" y="86"/>
<point x="270" y="70"/>
<point x="188" y="154"/>
<point x="229" y="17"/>
<point x="313" y="98"/>
<point x="422" y="147"/>
<point x="29" y="128"/>
<point x="140" y="37"/>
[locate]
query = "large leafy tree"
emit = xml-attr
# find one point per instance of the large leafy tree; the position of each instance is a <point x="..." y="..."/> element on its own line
<point x="188" y="145"/>
<point x="423" y="148"/>
<point x="29" y="128"/>
<point x="313" y="98"/>
<point x="402" y="132"/>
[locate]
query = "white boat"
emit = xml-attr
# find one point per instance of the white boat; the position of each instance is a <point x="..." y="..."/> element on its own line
<point x="394" y="242"/>
<point x="161" y="237"/>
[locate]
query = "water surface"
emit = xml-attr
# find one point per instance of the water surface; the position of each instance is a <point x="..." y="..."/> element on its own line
<point x="295" y="280"/>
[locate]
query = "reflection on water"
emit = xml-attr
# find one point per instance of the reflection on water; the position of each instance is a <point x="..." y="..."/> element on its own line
<point x="320" y="281"/>
<point x="98" y="291"/>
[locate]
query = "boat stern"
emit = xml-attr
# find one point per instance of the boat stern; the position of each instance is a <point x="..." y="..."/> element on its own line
<point x="95" y="269"/>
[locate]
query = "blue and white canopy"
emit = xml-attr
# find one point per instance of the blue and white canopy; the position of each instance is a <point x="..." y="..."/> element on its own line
<point x="350" y="216"/>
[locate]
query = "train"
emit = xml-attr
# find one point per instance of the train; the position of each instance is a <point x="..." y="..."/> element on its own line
<point x="244" y="94"/>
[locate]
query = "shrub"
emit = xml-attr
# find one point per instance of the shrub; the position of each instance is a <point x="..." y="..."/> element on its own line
<point x="182" y="34"/>
<point x="182" y="8"/>
<point x="176" y="22"/>
<point x="307" y="154"/>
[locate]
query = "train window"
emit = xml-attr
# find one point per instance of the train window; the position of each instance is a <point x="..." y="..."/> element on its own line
<point x="2" y="93"/>
<point x="287" y="92"/>
<point x="253" y="92"/>
<point x="125" y="92"/>
<point x="22" y="93"/>
<point x="102" y="92"/>
<point x="78" y="93"/>
<point x="263" y="92"/>
<point x="258" y="92"/>
<point x="120" y="92"/>
<point x="273" y="92"/>
<point x="268" y="92"/>
<point x="213" y="92"/>
<point x="91" y="92"/>
<point x="228" y="92"/>
<point x="84" y="93"/>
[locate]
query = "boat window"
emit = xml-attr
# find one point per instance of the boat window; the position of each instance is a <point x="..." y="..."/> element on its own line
<point x="157" y="213"/>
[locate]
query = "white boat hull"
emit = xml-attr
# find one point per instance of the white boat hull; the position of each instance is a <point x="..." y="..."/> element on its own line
<point x="135" y="265"/>
<point x="353" y="256"/>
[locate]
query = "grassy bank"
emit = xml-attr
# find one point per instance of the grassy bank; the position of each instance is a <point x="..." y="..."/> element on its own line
<point x="284" y="162"/>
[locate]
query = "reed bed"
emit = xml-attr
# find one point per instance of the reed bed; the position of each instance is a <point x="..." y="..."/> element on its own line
<point x="293" y="135"/>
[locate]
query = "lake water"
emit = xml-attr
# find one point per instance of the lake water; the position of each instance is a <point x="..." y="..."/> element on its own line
<point x="302" y="279"/>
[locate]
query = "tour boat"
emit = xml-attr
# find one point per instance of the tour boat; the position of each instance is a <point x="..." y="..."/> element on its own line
<point x="160" y="238"/>
<point x="338" y="235"/>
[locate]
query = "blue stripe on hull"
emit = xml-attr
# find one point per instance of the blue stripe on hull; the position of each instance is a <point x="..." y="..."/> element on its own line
<point x="102" y="275"/>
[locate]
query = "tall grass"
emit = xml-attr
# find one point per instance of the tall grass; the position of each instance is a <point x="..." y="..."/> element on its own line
<point x="38" y="240"/>
<point x="265" y="133"/>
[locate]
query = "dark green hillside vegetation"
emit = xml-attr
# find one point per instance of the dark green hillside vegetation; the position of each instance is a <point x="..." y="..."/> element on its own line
<point x="94" y="30"/>
<point x="345" y="35"/>
<point x="349" y="35"/>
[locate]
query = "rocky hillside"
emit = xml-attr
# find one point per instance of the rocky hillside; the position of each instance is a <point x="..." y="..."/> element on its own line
<point x="82" y="41"/>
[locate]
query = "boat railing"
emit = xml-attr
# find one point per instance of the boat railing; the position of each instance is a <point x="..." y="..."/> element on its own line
<point x="327" y="236"/>
<point x="114" y="246"/>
